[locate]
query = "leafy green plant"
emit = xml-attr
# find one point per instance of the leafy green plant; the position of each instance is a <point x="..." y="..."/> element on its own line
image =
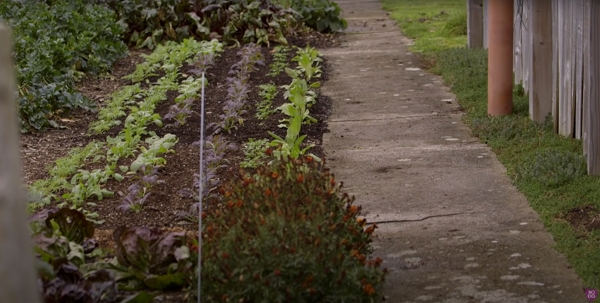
<point x="287" y="233"/>
<point x="297" y="110"/>
<point x="321" y="15"/>
<point x="148" y="23"/>
<point x="254" y="153"/>
<point x="268" y="92"/>
<point x="108" y="116"/>
<point x="280" y="54"/>
<point x="170" y="56"/>
<point x="151" y="22"/>
<point x="252" y="21"/>
<point x="55" y="43"/>
<point x="308" y="62"/>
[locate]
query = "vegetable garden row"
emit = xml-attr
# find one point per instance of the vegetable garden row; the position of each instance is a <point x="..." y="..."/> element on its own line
<point x="114" y="218"/>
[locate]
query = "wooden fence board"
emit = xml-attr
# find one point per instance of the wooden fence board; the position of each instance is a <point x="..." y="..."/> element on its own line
<point x="593" y="124"/>
<point x="526" y="45"/>
<point x="540" y="95"/>
<point x="565" y="105"/>
<point x="556" y="39"/>
<point x="578" y="83"/>
<point x="17" y="274"/>
<point x="475" y="23"/>
<point x="586" y="73"/>
<point x="485" y="24"/>
<point x="518" y="49"/>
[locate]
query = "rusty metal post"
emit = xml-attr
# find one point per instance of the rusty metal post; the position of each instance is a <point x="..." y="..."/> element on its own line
<point x="500" y="57"/>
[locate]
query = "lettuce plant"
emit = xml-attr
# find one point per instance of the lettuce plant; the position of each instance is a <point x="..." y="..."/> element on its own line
<point x="157" y="259"/>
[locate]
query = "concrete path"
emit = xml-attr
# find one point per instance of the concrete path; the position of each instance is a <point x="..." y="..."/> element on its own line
<point x="452" y="227"/>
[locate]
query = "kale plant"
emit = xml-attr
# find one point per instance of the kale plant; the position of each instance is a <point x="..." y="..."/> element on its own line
<point x="55" y="43"/>
<point x="215" y="148"/>
<point x="237" y="91"/>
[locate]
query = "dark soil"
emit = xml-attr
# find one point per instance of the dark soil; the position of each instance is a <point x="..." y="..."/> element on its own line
<point x="164" y="207"/>
<point x="586" y="218"/>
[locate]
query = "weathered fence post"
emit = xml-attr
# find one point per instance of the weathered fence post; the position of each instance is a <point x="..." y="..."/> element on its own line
<point x="540" y="94"/>
<point x="485" y="23"/>
<point x="475" y="23"/>
<point x="17" y="274"/>
<point x="593" y="114"/>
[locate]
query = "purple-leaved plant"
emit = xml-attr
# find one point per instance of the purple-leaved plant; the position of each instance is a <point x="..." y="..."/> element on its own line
<point x="139" y="191"/>
<point x="202" y="63"/>
<point x="238" y="88"/>
<point x="214" y="158"/>
<point x="179" y="112"/>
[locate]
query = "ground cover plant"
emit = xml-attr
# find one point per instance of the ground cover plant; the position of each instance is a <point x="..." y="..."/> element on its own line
<point x="56" y="42"/>
<point x="549" y="169"/>
<point x="124" y="173"/>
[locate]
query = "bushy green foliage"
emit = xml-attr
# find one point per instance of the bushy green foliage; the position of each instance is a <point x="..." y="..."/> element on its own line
<point x="322" y="15"/>
<point x="254" y="153"/>
<point x="149" y="22"/>
<point x="288" y="234"/>
<point x="264" y="109"/>
<point x="553" y="168"/>
<point x="54" y="42"/>
<point x="280" y="54"/>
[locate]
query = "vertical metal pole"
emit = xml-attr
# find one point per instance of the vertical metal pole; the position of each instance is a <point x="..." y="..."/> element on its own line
<point x="201" y="189"/>
<point x="500" y="57"/>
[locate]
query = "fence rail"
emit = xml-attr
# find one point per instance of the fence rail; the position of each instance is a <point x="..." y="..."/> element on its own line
<point x="557" y="61"/>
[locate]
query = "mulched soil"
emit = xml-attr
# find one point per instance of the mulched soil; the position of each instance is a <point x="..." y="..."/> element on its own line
<point x="584" y="219"/>
<point x="163" y="208"/>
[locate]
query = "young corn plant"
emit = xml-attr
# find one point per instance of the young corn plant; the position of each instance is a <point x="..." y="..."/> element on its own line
<point x="297" y="111"/>
<point x="309" y="62"/>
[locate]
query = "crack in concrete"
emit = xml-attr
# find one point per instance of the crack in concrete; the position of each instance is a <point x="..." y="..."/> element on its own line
<point x="418" y="220"/>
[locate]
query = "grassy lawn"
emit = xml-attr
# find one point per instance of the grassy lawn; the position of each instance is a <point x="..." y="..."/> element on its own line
<point x="549" y="169"/>
<point x="438" y="25"/>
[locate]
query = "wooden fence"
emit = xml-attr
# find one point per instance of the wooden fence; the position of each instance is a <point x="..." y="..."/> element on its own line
<point x="17" y="274"/>
<point x="557" y="60"/>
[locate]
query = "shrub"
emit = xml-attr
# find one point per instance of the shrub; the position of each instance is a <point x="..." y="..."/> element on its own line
<point x="554" y="168"/>
<point x="149" y="22"/>
<point x="54" y="43"/>
<point x="321" y="15"/>
<point x="287" y="233"/>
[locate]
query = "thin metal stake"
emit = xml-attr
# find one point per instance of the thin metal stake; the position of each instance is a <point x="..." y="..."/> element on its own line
<point x="201" y="189"/>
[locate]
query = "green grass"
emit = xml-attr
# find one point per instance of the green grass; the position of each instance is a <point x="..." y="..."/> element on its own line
<point x="438" y="25"/>
<point x="547" y="168"/>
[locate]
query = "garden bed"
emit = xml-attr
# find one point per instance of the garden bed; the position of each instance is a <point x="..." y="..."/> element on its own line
<point x="164" y="206"/>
